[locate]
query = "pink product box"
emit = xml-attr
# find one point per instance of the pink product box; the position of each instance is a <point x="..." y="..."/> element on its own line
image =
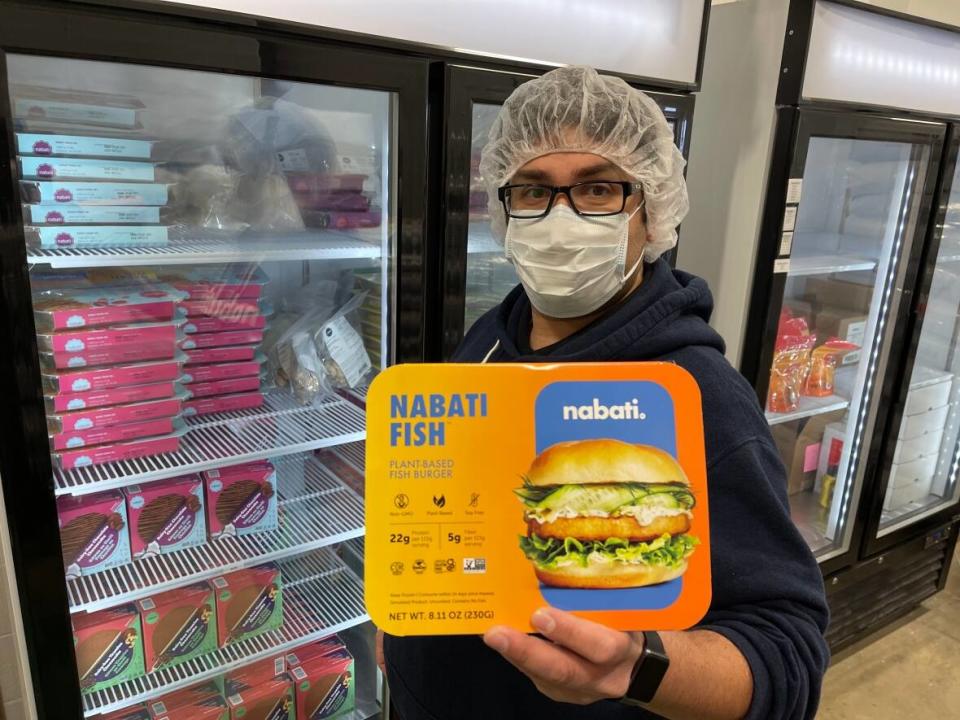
<point x="221" y="339"/>
<point x="68" y="308"/>
<point x="84" y="420"/>
<point x="166" y="516"/>
<point x="212" y="282"/>
<point x="115" y="376"/>
<point x="224" y="387"/>
<point x="241" y="499"/>
<point x="224" y="371"/>
<point x="98" y="338"/>
<point x="85" y="457"/>
<point x="69" y="402"/>
<point x="222" y="403"/>
<point x="211" y="324"/>
<point x="93" y="532"/>
<point x="111" y="434"/>
<point x="222" y="307"/>
<point x="108" y="356"/>
<point x="342" y="219"/>
<point x="234" y="353"/>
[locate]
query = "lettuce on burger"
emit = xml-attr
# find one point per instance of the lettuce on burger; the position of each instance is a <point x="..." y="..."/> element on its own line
<point x="606" y="514"/>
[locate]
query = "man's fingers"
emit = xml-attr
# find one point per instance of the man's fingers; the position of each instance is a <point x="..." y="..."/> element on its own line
<point x="543" y="661"/>
<point x="596" y="643"/>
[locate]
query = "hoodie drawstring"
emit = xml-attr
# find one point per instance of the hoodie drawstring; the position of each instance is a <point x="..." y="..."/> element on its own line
<point x="492" y="351"/>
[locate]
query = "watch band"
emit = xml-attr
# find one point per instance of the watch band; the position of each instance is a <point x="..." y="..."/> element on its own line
<point x="648" y="672"/>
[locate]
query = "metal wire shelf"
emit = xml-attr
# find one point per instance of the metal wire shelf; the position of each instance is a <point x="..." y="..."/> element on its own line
<point x="315" y="510"/>
<point x="321" y="597"/>
<point x="280" y="427"/>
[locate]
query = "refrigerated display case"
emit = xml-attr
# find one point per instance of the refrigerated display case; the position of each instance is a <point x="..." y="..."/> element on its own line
<point x="477" y="275"/>
<point x="209" y="248"/>
<point x="917" y="475"/>
<point x="841" y="239"/>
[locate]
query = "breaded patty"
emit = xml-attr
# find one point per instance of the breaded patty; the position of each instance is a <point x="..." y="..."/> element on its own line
<point x="603" y="528"/>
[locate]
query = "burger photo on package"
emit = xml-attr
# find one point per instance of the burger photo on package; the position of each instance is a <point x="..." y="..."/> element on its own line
<point x="606" y="514"/>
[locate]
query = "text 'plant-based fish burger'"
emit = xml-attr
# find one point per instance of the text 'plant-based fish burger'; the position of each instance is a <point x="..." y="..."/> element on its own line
<point x="606" y="514"/>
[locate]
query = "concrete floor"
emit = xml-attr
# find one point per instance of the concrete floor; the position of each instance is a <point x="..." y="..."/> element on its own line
<point x="911" y="669"/>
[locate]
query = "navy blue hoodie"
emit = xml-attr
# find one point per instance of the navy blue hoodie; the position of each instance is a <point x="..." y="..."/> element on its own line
<point x="768" y="596"/>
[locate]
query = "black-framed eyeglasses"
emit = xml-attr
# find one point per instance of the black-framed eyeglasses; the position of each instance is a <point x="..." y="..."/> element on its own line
<point x="595" y="198"/>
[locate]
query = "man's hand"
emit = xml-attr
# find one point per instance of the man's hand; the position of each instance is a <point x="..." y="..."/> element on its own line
<point x="584" y="663"/>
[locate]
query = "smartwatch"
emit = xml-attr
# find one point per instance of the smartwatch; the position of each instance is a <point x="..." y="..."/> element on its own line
<point x="648" y="672"/>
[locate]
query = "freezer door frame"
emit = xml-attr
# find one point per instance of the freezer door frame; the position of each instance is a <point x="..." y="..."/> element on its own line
<point x="454" y="90"/>
<point x="154" y="38"/>
<point x="795" y="128"/>
<point x="893" y="393"/>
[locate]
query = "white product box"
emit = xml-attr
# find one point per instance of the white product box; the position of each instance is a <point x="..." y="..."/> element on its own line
<point x="900" y="496"/>
<point x="932" y="421"/>
<point x="909" y="450"/>
<point x="929" y="389"/>
<point x="921" y="469"/>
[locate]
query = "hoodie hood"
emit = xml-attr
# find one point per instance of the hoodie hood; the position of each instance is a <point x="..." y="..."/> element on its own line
<point x="668" y="312"/>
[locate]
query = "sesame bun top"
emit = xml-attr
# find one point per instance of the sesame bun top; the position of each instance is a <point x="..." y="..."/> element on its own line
<point x="590" y="462"/>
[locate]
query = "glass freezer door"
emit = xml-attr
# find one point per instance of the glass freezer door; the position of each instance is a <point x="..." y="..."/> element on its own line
<point x="211" y="262"/>
<point x="852" y="208"/>
<point x="923" y="474"/>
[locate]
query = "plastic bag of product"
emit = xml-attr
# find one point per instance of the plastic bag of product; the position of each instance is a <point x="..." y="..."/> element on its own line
<point x="319" y="353"/>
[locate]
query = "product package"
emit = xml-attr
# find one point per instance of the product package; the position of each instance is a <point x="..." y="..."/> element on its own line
<point x="46" y="144"/>
<point x="323" y="677"/>
<point x="166" y="516"/>
<point x="93" y="215"/>
<point x="249" y="602"/>
<point x="115" y="452"/>
<point x="229" y="386"/>
<point x="223" y="403"/>
<point x="50" y="192"/>
<point x="70" y="308"/>
<point x="111" y="434"/>
<point x="255" y="697"/>
<point x="116" y="376"/>
<point x="229" y="354"/>
<point x="178" y="625"/>
<point x="212" y="324"/>
<point x="68" y="402"/>
<point x="110" y="355"/>
<point x="220" y="282"/>
<point x="57" y="236"/>
<point x="93" y="532"/>
<point x="135" y="712"/>
<point x="72" y="341"/>
<point x="48" y="168"/>
<point x="241" y="499"/>
<point x="197" y="702"/>
<point x="268" y="668"/>
<point x="109" y="647"/>
<point x="80" y="107"/>
<point x="222" y="371"/>
<point x="219" y="339"/>
<point x="595" y="501"/>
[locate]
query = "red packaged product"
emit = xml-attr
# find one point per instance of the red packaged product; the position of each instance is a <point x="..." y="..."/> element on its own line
<point x="224" y="387"/>
<point x="241" y="499"/>
<point x="342" y="219"/>
<point x="112" y="355"/>
<point x="254" y="697"/>
<point x="220" y="371"/>
<point x="211" y="282"/>
<point x="83" y="420"/>
<point x="114" y="376"/>
<point x="230" y="353"/>
<point x="221" y="307"/>
<point x="222" y="403"/>
<point x="324" y="183"/>
<point x="136" y="712"/>
<point x="193" y="696"/>
<point x="211" y="324"/>
<point x="220" y="339"/>
<point x="178" y="625"/>
<point x="74" y="341"/>
<point x="75" y="307"/>
<point x="66" y="402"/>
<point x="166" y="515"/>
<point x="84" y="457"/>
<point x="111" y="434"/>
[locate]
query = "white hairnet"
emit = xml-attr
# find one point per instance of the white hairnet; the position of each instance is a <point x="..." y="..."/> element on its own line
<point x="575" y="109"/>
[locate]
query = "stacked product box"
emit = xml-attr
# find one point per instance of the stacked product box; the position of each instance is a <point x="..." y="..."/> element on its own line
<point x="241" y="499"/>
<point x="331" y="200"/>
<point x="80" y="185"/>
<point x="371" y="313"/>
<point x="226" y="314"/>
<point x="109" y="363"/>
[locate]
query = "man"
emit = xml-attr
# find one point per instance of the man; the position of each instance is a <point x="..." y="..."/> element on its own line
<point x="586" y="188"/>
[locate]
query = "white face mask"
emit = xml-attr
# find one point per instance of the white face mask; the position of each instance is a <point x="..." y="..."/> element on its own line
<point x="569" y="264"/>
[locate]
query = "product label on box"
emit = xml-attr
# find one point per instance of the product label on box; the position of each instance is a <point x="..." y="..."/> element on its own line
<point x="190" y="637"/>
<point x="115" y="659"/>
<point x="74" y="112"/>
<point x="85" y="169"/>
<point x="78" y="145"/>
<point x="346" y="348"/>
<point x="294" y="160"/>
<point x="105" y="193"/>
<point x="496" y="489"/>
<point x="258" y="615"/>
<point x="101" y="236"/>
<point x="68" y="214"/>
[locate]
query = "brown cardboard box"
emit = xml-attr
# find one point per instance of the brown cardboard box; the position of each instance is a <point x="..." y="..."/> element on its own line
<point x="822" y="293"/>
<point x="799" y="449"/>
